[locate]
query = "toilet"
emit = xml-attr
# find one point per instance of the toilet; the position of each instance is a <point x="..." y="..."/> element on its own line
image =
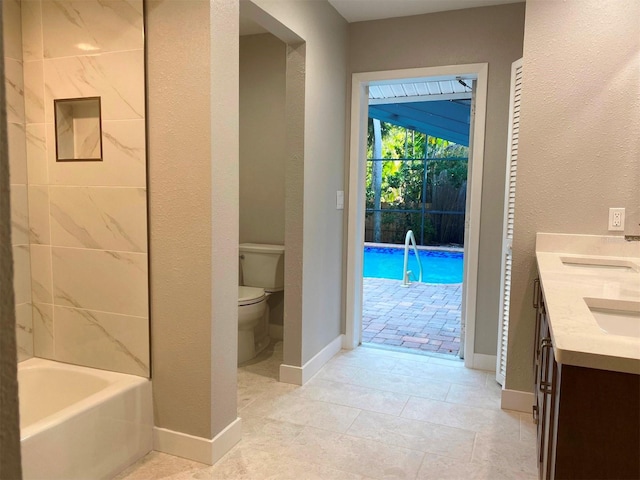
<point x="262" y="271"/>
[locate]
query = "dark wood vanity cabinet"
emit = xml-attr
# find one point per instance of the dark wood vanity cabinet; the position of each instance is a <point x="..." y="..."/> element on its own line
<point x="588" y="420"/>
<point x="544" y="365"/>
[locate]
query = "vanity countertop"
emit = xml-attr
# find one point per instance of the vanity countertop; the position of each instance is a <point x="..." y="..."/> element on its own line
<point x="572" y="268"/>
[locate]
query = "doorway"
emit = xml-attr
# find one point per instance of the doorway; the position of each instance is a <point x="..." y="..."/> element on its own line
<point x="361" y="82"/>
<point x="416" y="184"/>
<point x="272" y="107"/>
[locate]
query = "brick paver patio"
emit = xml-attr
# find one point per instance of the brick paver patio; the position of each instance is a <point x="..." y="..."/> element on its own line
<point x="423" y="317"/>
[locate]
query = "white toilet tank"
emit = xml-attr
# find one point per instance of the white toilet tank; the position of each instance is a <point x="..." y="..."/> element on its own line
<point x="262" y="266"/>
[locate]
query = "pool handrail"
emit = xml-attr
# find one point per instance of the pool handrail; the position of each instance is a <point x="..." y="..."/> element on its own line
<point x="410" y="238"/>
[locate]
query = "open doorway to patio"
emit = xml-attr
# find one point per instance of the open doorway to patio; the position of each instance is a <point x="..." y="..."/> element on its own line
<point x="474" y="76"/>
<point x="416" y="184"/>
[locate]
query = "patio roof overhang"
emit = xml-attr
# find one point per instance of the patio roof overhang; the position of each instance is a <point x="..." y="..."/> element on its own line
<point x="437" y="108"/>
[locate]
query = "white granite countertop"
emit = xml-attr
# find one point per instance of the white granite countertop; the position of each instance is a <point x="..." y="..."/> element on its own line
<point x="577" y="337"/>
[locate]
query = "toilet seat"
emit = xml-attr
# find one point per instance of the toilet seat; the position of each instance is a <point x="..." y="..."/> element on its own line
<point x="250" y="295"/>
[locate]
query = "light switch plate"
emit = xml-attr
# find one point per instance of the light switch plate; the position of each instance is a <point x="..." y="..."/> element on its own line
<point x="340" y="200"/>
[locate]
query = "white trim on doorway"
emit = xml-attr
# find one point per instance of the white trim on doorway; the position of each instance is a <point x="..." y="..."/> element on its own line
<point x="356" y="210"/>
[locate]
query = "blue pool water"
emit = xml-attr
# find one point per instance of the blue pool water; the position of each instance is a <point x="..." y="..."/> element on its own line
<point x="437" y="266"/>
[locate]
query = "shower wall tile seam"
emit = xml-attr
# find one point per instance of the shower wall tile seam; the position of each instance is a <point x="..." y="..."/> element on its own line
<point x="77" y="186"/>
<point x="58" y="305"/>
<point x="43" y="336"/>
<point x="108" y="250"/>
<point x="111" y="52"/>
<point x="120" y="187"/>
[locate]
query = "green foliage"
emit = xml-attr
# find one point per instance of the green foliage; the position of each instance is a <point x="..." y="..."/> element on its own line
<point x="403" y="187"/>
<point x="453" y="173"/>
<point x="439" y="148"/>
<point x="455" y="170"/>
<point x="397" y="141"/>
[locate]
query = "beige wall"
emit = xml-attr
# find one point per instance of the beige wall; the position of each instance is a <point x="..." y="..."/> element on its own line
<point x="493" y="35"/>
<point x="9" y="423"/>
<point x="294" y="204"/>
<point x="87" y="219"/>
<point x="263" y="147"/>
<point x="224" y="20"/>
<point x="325" y="51"/>
<point x="18" y="176"/>
<point x="579" y="139"/>
<point x="192" y="88"/>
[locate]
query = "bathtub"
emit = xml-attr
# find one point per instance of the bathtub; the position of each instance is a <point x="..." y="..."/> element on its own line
<point x="79" y="422"/>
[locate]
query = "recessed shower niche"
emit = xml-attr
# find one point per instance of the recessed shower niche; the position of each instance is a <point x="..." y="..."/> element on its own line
<point x="78" y="129"/>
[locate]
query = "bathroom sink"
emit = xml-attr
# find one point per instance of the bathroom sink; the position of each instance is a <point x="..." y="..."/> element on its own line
<point x="616" y="317"/>
<point x="606" y="263"/>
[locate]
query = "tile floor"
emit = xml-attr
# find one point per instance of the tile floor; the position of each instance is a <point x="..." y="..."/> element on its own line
<point x="368" y="414"/>
<point x="421" y="317"/>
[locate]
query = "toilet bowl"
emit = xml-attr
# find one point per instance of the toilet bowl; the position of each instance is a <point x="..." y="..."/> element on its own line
<point x="262" y="273"/>
<point x="252" y="306"/>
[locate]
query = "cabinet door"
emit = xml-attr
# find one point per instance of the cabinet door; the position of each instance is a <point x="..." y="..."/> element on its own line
<point x="537" y="335"/>
<point x="538" y="304"/>
<point x="548" y="385"/>
<point x="542" y="397"/>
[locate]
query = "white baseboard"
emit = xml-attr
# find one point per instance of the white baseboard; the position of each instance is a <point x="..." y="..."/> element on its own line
<point x="301" y="375"/>
<point x="226" y="440"/>
<point x="198" y="449"/>
<point x="481" y="361"/>
<point x="516" y="400"/>
<point x="276" y="331"/>
<point x="346" y="344"/>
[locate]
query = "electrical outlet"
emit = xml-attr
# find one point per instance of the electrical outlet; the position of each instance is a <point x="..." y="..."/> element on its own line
<point x="616" y="219"/>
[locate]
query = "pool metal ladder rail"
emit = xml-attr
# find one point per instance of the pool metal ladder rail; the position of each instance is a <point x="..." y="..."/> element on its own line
<point x="406" y="273"/>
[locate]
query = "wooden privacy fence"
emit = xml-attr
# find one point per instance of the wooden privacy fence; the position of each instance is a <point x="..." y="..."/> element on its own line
<point x="439" y="222"/>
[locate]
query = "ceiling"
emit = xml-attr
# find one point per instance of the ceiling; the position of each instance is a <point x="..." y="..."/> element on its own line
<point x="249" y="27"/>
<point x="362" y="10"/>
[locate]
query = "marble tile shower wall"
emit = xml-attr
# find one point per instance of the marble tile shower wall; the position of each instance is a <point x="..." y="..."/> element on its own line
<point x="87" y="219"/>
<point x="18" y="175"/>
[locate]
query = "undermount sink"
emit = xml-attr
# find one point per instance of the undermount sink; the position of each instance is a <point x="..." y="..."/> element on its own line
<point x="607" y="263"/>
<point x="616" y="317"/>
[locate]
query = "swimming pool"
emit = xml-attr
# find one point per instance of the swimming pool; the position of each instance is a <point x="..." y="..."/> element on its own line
<point x="437" y="266"/>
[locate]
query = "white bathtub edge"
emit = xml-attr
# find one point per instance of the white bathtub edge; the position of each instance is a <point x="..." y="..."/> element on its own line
<point x="119" y="383"/>
<point x="66" y="444"/>
<point x="301" y="375"/>
<point x="198" y="449"/>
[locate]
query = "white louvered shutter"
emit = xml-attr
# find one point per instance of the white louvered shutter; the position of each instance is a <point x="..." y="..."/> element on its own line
<point x="509" y="210"/>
